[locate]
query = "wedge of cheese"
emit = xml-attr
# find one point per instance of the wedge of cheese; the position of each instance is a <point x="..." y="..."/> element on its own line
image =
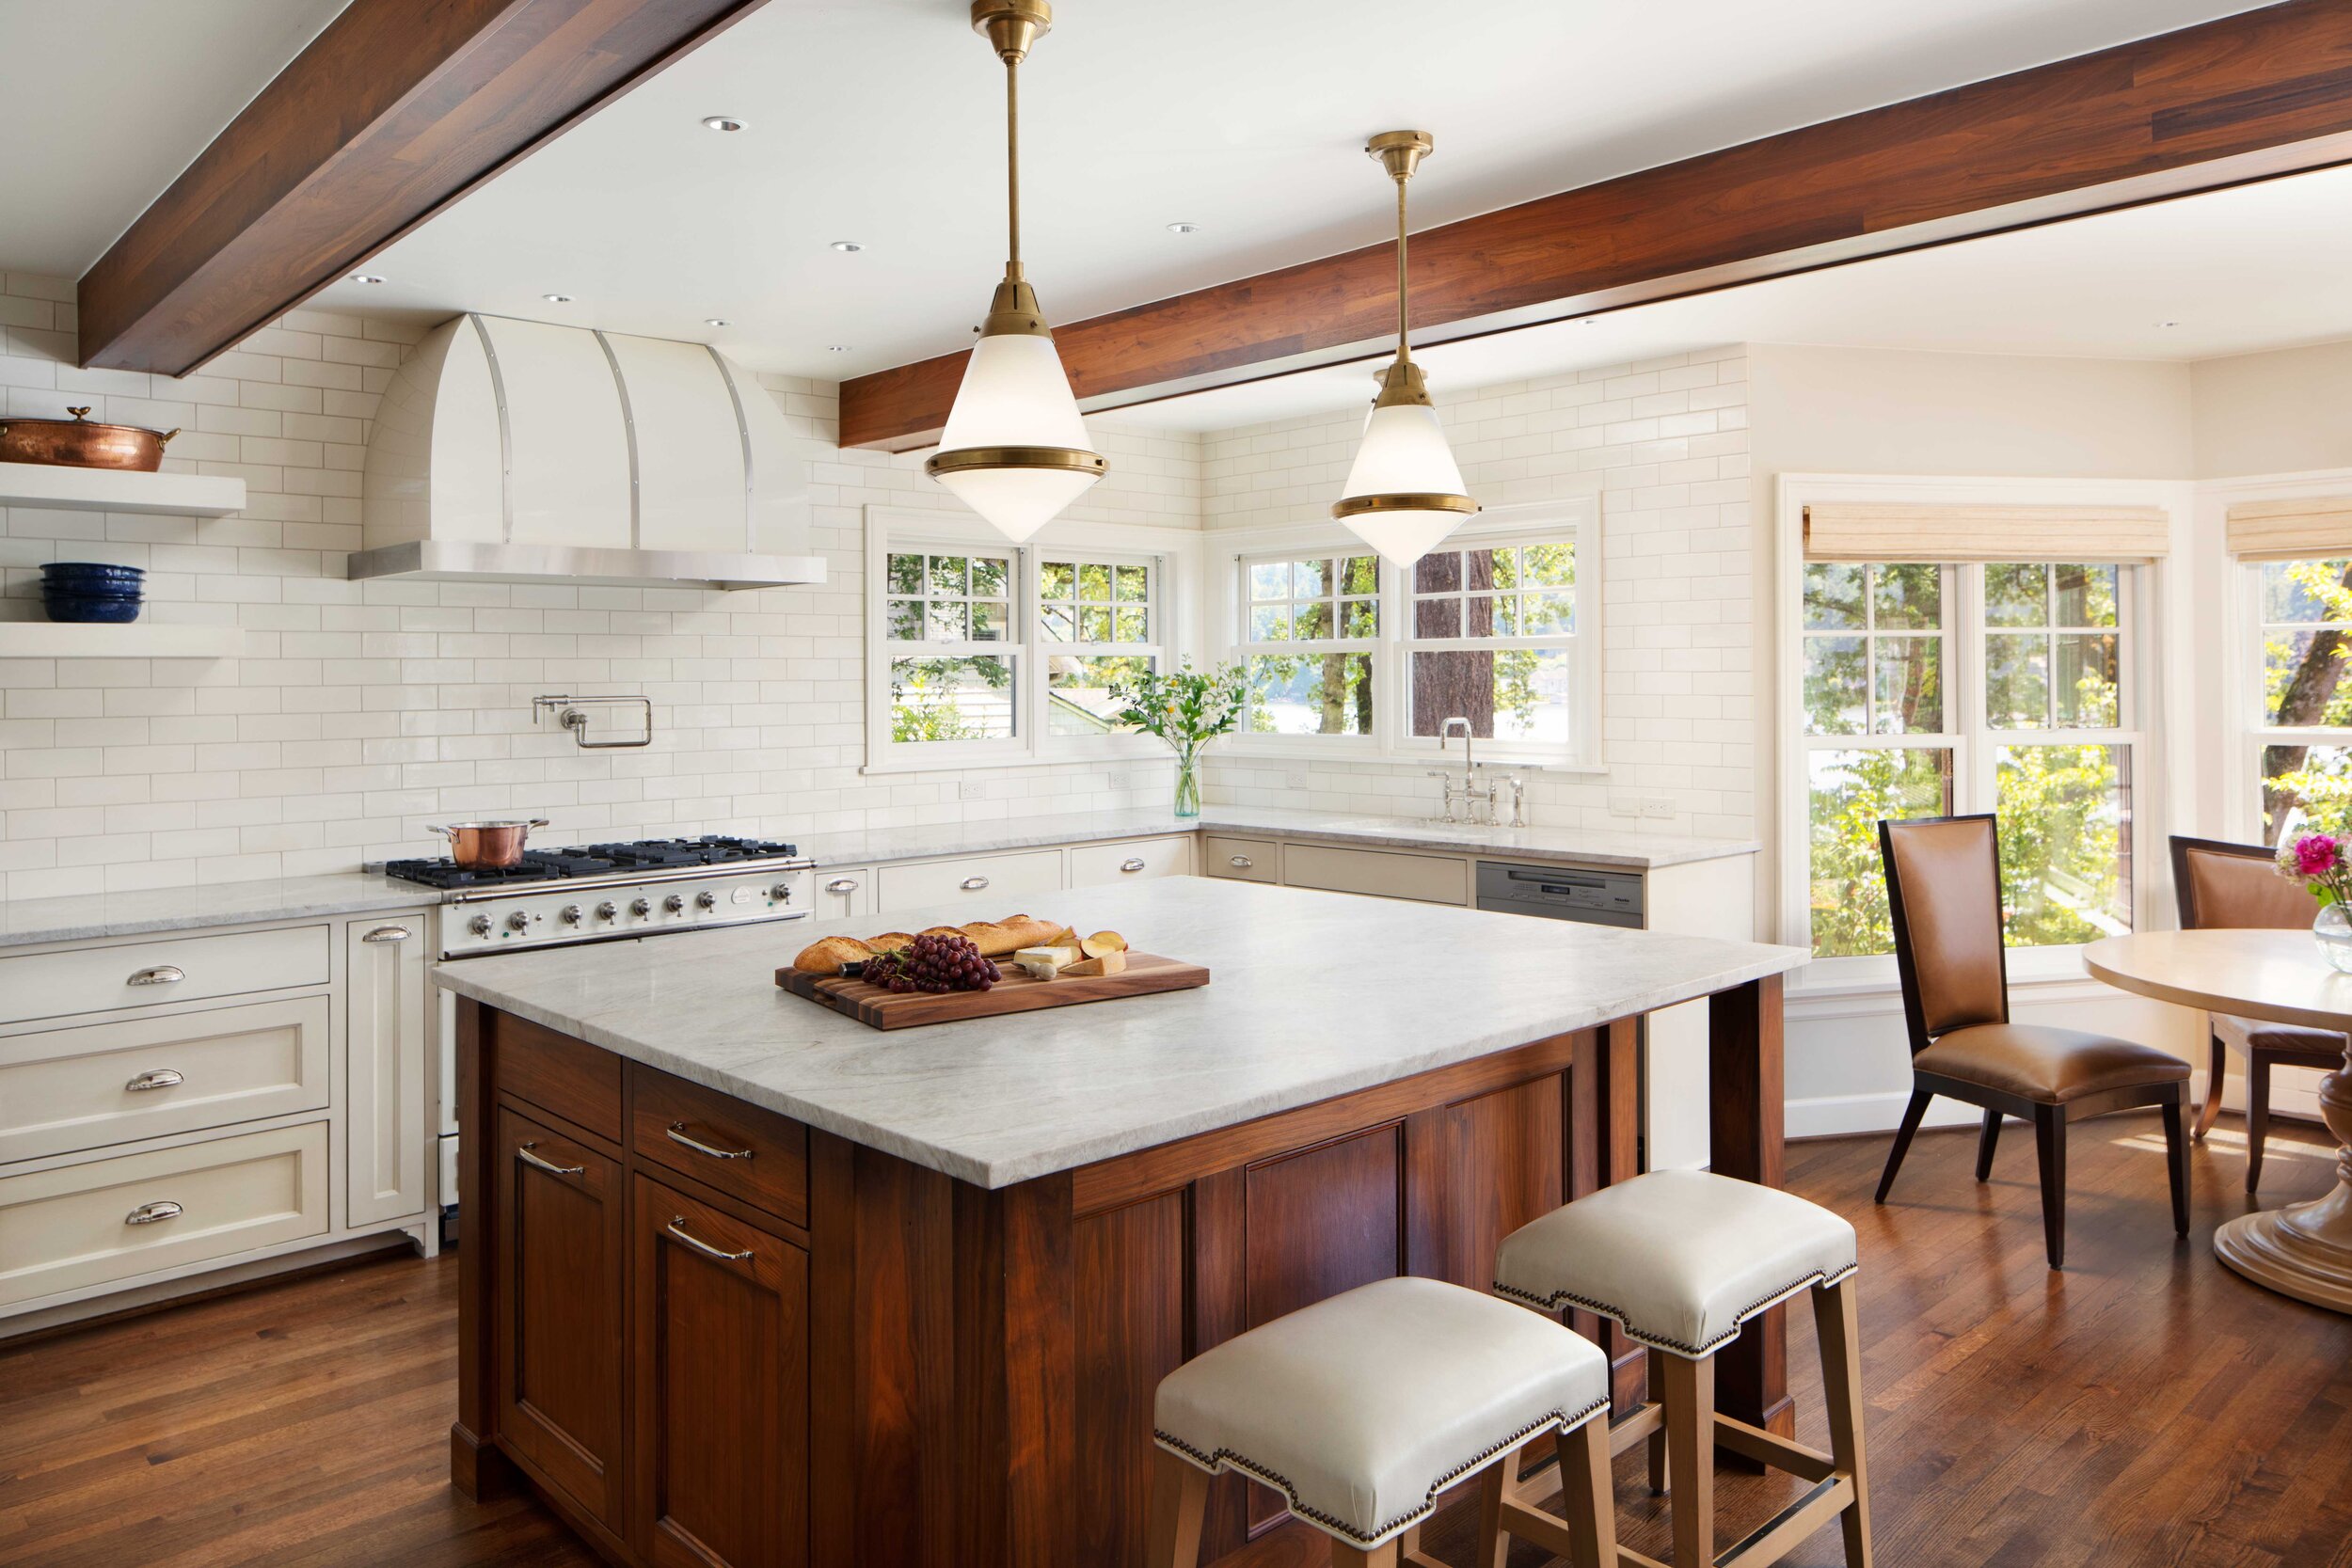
<point x="1045" y="963"/>
<point x="1108" y="963"/>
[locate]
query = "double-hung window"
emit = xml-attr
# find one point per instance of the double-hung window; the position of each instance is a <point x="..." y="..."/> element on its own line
<point x="1310" y="636"/>
<point x="2303" y="713"/>
<point x="955" y="663"/>
<point x="1098" y="621"/>
<point x="1493" y="641"/>
<point x="1929" y="689"/>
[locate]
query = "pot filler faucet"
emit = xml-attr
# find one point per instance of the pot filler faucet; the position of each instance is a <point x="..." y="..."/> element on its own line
<point x="1467" y="790"/>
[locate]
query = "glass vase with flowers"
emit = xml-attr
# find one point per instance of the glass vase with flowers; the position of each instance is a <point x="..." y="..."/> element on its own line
<point x="2323" y="863"/>
<point x="1187" y="708"/>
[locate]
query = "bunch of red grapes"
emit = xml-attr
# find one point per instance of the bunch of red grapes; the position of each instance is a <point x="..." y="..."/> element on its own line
<point x="933" y="962"/>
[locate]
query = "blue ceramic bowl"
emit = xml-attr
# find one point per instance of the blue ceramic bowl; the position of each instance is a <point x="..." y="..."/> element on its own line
<point x="79" y="572"/>
<point x="90" y="606"/>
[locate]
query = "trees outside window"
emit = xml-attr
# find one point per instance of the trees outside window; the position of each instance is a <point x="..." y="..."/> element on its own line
<point x="2304" y="621"/>
<point x="948" y="620"/>
<point x="1310" y="632"/>
<point x="1931" y="689"/>
<point x="1492" y="640"/>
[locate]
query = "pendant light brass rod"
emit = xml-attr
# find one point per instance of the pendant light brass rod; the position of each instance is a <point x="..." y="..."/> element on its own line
<point x="1013" y="163"/>
<point x="1403" y="349"/>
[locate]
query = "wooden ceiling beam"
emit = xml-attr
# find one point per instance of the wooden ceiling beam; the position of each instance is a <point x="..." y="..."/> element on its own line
<point x="2248" y="97"/>
<point x="395" y="110"/>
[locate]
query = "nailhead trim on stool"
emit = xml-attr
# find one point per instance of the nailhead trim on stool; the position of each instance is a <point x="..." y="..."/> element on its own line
<point x="1558" y="1299"/>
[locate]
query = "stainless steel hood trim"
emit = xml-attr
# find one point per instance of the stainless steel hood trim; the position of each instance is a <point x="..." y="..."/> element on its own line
<point x="458" y="559"/>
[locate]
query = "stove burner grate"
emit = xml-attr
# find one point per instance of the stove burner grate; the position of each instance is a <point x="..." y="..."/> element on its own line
<point x="596" y="859"/>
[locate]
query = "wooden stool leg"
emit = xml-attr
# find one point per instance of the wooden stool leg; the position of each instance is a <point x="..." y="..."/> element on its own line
<point x="1180" y="1500"/>
<point x="1690" y="1402"/>
<point x="1493" y="1546"/>
<point x="1587" y="1496"/>
<point x="1382" y="1556"/>
<point x="1657" y="1470"/>
<point x="1834" y="1315"/>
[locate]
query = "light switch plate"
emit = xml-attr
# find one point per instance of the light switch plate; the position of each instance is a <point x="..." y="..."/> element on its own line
<point x="1624" y="805"/>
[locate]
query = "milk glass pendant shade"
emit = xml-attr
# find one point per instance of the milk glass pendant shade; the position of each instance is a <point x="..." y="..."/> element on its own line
<point x="1404" y="492"/>
<point x="1014" y="449"/>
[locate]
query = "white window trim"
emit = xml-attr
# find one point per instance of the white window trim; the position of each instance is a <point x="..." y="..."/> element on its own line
<point x="1574" y="515"/>
<point x="2155" y="665"/>
<point x="1177" y="552"/>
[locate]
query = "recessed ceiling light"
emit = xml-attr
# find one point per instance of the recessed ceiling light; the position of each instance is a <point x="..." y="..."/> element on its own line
<point x="721" y="122"/>
<point x="1184" y="228"/>
<point x="717" y="321"/>
<point x="2167" y="323"/>
<point x="847" y="245"/>
<point x="836" y="348"/>
<point x="365" y="277"/>
<point x="557" y="299"/>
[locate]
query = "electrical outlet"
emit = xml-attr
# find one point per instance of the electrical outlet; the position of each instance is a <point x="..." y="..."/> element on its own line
<point x="1294" y="781"/>
<point x="971" y="790"/>
<point x="1658" y="808"/>
<point x="1118" y="781"/>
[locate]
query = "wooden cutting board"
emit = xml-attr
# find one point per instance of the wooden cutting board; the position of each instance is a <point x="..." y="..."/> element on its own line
<point x="878" y="1008"/>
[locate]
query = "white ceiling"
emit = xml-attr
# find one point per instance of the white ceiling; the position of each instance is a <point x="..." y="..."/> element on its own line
<point x="880" y="122"/>
<point x="104" y="103"/>
<point x="2233" y="272"/>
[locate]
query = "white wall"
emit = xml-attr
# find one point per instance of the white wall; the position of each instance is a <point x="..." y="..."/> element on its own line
<point x="366" y="710"/>
<point x="2284" y="412"/>
<point x="1668" y="439"/>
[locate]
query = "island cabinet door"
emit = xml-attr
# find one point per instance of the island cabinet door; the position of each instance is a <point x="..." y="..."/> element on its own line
<point x="719" y="1450"/>
<point x="560" y="1287"/>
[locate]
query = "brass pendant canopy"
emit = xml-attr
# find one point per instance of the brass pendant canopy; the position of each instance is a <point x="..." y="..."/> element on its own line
<point x="1015" y="449"/>
<point x="1404" y="492"/>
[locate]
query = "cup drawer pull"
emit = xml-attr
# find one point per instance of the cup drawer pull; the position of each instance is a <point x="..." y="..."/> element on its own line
<point x="974" y="884"/>
<point x="677" y="1227"/>
<point x="678" y="1134"/>
<point x="523" y="1153"/>
<point x="1133" y="863"/>
<point x="151" y="1214"/>
<point x="386" y="933"/>
<point x="161" y="974"/>
<point x="156" y="1078"/>
<point x="1244" y="862"/>
<point x="842" y="884"/>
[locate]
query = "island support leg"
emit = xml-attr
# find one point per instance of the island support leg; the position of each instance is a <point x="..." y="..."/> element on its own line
<point x="1747" y="1139"/>
<point x="1604" y="1117"/>
<point x="476" y="1467"/>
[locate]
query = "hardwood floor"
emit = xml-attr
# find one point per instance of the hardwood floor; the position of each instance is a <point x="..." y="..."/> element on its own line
<point x="2145" y="1407"/>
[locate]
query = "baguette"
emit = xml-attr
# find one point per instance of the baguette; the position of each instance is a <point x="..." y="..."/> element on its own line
<point x="993" y="940"/>
<point x="890" y="941"/>
<point x="827" y="956"/>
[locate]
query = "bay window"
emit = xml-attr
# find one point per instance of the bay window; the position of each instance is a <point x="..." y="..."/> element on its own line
<point x="2303" y="713"/>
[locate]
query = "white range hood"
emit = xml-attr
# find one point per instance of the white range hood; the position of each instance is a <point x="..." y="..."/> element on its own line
<point x="514" y="450"/>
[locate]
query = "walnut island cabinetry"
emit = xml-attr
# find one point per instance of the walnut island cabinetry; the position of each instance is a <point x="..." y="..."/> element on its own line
<point x="762" y="1286"/>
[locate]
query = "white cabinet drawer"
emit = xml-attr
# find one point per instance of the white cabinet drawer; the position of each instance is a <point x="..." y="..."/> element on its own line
<point x="1250" y="860"/>
<point x="81" y="1226"/>
<point x="1092" y="864"/>
<point x="845" y="893"/>
<point x="152" y="972"/>
<point x="984" y="881"/>
<point x="1427" y="877"/>
<point x="66" y="1089"/>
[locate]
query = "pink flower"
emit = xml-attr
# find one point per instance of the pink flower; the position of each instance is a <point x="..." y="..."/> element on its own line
<point x="2316" y="854"/>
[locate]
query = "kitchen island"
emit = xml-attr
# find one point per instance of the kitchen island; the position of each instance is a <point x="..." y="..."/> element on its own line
<point x="751" y="1283"/>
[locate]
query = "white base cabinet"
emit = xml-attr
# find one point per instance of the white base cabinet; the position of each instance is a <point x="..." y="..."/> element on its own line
<point x="201" y="1106"/>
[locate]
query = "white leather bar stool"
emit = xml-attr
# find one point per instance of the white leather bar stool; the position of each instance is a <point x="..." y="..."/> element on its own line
<point x="1682" y="1258"/>
<point x="1361" y="1408"/>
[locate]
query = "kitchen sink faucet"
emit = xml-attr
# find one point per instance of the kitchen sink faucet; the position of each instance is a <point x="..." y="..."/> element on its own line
<point x="1468" y="789"/>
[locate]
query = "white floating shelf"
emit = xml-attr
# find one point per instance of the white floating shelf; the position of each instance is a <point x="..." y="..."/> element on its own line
<point x="137" y="639"/>
<point x="114" y="490"/>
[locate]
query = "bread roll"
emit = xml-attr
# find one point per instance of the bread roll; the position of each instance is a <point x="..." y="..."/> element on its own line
<point x="826" y="957"/>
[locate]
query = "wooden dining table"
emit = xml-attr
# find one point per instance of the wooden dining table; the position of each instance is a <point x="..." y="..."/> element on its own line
<point x="2305" y="1249"/>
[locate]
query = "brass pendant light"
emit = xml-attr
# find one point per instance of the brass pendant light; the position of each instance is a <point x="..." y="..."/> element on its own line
<point x="1404" y="492"/>
<point x="1014" y="449"/>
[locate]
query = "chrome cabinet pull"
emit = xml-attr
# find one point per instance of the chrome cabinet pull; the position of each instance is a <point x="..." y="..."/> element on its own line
<point x="150" y="1213"/>
<point x="523" y="1153"/>
<point x="974" y="885"/>
<point x="1244" y="862"/>
<point x="156" y="1078"/>
<point x="386" y="933"/>
<point x="1134" y="863"/>
<point x="677" y="1227"/>
<point x="677" y="1134"/>
<point x="161" y="974"/>
<point x="842" y="884"/>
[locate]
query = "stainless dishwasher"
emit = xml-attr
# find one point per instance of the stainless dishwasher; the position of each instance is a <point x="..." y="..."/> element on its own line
<point x="1557" y="893"/>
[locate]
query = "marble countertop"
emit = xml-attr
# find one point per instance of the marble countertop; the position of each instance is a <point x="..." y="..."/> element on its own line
<point x="1631" y="849"/>
<point x="82" y="917"/>
<point x="1314" y="995"/>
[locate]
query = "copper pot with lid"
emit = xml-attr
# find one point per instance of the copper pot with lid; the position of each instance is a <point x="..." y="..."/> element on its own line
<point x="80" y="442"/>
<point x="486" y="846"/>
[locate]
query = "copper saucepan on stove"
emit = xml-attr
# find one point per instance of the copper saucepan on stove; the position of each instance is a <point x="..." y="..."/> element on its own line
<point x="81" y="443"/>
<point x="486" y="846"/>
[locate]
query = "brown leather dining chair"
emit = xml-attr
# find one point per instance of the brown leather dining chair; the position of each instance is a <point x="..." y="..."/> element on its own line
<point x="1943" y="883"/>
<point x="2221" y="884"/>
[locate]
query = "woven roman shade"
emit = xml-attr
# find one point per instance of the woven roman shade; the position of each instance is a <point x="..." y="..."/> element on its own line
<point x="2308" y="526"/>
<point x="1892" y="531"/>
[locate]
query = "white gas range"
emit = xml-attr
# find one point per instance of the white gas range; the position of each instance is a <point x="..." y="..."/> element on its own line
<point x="596" y="892"/>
